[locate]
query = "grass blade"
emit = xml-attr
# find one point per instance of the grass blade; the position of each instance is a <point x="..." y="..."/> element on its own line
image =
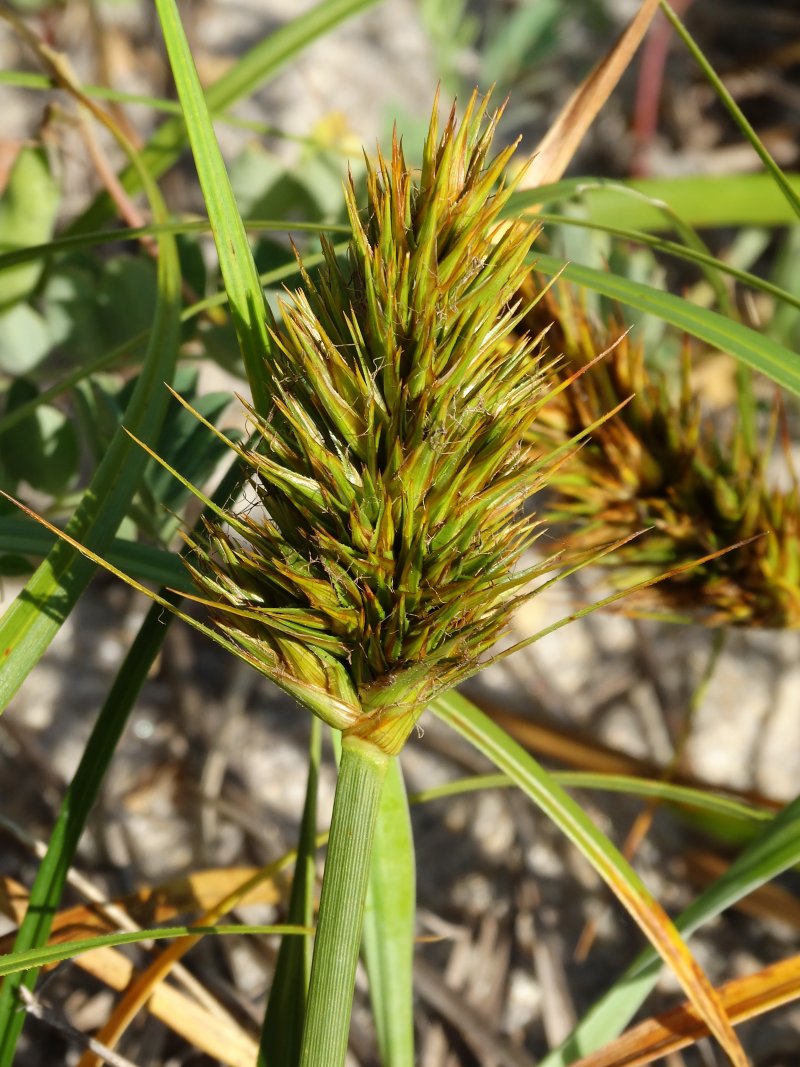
<point x="752" y="348"/>
<point x="80" y="796"/>
<point x="702" y="200"/>
<point x="33" y="619"/>
<point x="682" y="795"/>
<point x="15" y="962"/>
<point x="537" y="784"/>
<point x="736" y="113"/>
<point x="140" y="991"/>
<point x="388" y="938"/>
<point x="710" y="264"/>
<point x="282" y="1032"/>
<point x="776" y="849"/>
<point x="92" y="239"/>
<point x="144" y="562"/>
<point x="250" y="312"/>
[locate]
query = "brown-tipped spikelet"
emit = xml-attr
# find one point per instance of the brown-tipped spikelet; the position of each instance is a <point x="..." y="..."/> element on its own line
<point x="660" y="474"/>
<point x="391" y="470"/>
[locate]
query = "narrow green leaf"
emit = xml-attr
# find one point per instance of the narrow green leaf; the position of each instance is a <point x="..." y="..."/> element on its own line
<point x="710" y="264"/>
<point x="250" y="72"/>
<point x="752" y="348"/>
<point x="775" y="172"/>
<point x="507" y="755"/>
<point x="776" y="849"/>
<point x="389" y="920"/>
<point x="80" y="796"/>
<point x="250" y="312"/>
<point x="282" y="1032"/>
<point x="15" y="962"/>
<point x="75" y="242"/>
<point x="145" y="562"/>
<point x="701" y="200"/>
<point x="610" y="783"/>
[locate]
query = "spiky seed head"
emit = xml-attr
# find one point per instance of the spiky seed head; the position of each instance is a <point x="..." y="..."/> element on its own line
<point x="662" y="477"/>
<point x="390" y="471"/>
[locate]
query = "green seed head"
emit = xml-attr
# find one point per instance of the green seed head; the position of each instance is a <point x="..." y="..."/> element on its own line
<point x="664" y="480"/>
<point x="391" y="471"/>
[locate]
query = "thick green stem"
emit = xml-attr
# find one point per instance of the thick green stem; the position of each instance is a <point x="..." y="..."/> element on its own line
<point x="341" y="907"/>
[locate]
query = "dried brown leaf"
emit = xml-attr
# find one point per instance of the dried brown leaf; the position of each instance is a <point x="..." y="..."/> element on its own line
<point x="556" y="149"/>
<point x="742" y="999"/>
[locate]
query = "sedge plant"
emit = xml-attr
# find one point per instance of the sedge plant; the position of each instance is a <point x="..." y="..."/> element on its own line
<point x="392" y="467"/>
<point x="400" y="417"/>
<point x="391" y="474"/>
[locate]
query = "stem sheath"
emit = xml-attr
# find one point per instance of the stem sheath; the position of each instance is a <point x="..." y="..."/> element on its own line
<point x="341" y="908"/>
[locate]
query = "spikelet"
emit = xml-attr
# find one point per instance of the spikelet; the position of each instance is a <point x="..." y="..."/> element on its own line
<point x="392" y="471"/>
<point x="660" y="471"/>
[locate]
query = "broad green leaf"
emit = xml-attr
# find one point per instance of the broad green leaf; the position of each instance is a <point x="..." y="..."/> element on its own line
<point x="42" y="450"/>
<point x="752" y="348"/>
<point x="776" y="849"/>
<point x="125" y="297"/>
<point x="24" y="340"/>
<point x="282" y="1032"/>
<point x="247" y="75"/>
<point x="28" y="208"/>
<point x="617" y="873"/>
<point x="69" y="302"/>
<point x="389" y="920"/>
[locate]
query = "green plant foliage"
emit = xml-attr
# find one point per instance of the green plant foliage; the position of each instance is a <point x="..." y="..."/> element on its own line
<point x="82" y="298"/>
<point x="389" y="922"/>
<point x="24" y="340"/>
<point x="42" y="450"/>
<point x="183" y="443"/>
<point x="28" y="208"/>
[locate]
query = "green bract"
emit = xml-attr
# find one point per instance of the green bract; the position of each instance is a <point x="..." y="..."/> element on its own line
<point x="391" y="472"/>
